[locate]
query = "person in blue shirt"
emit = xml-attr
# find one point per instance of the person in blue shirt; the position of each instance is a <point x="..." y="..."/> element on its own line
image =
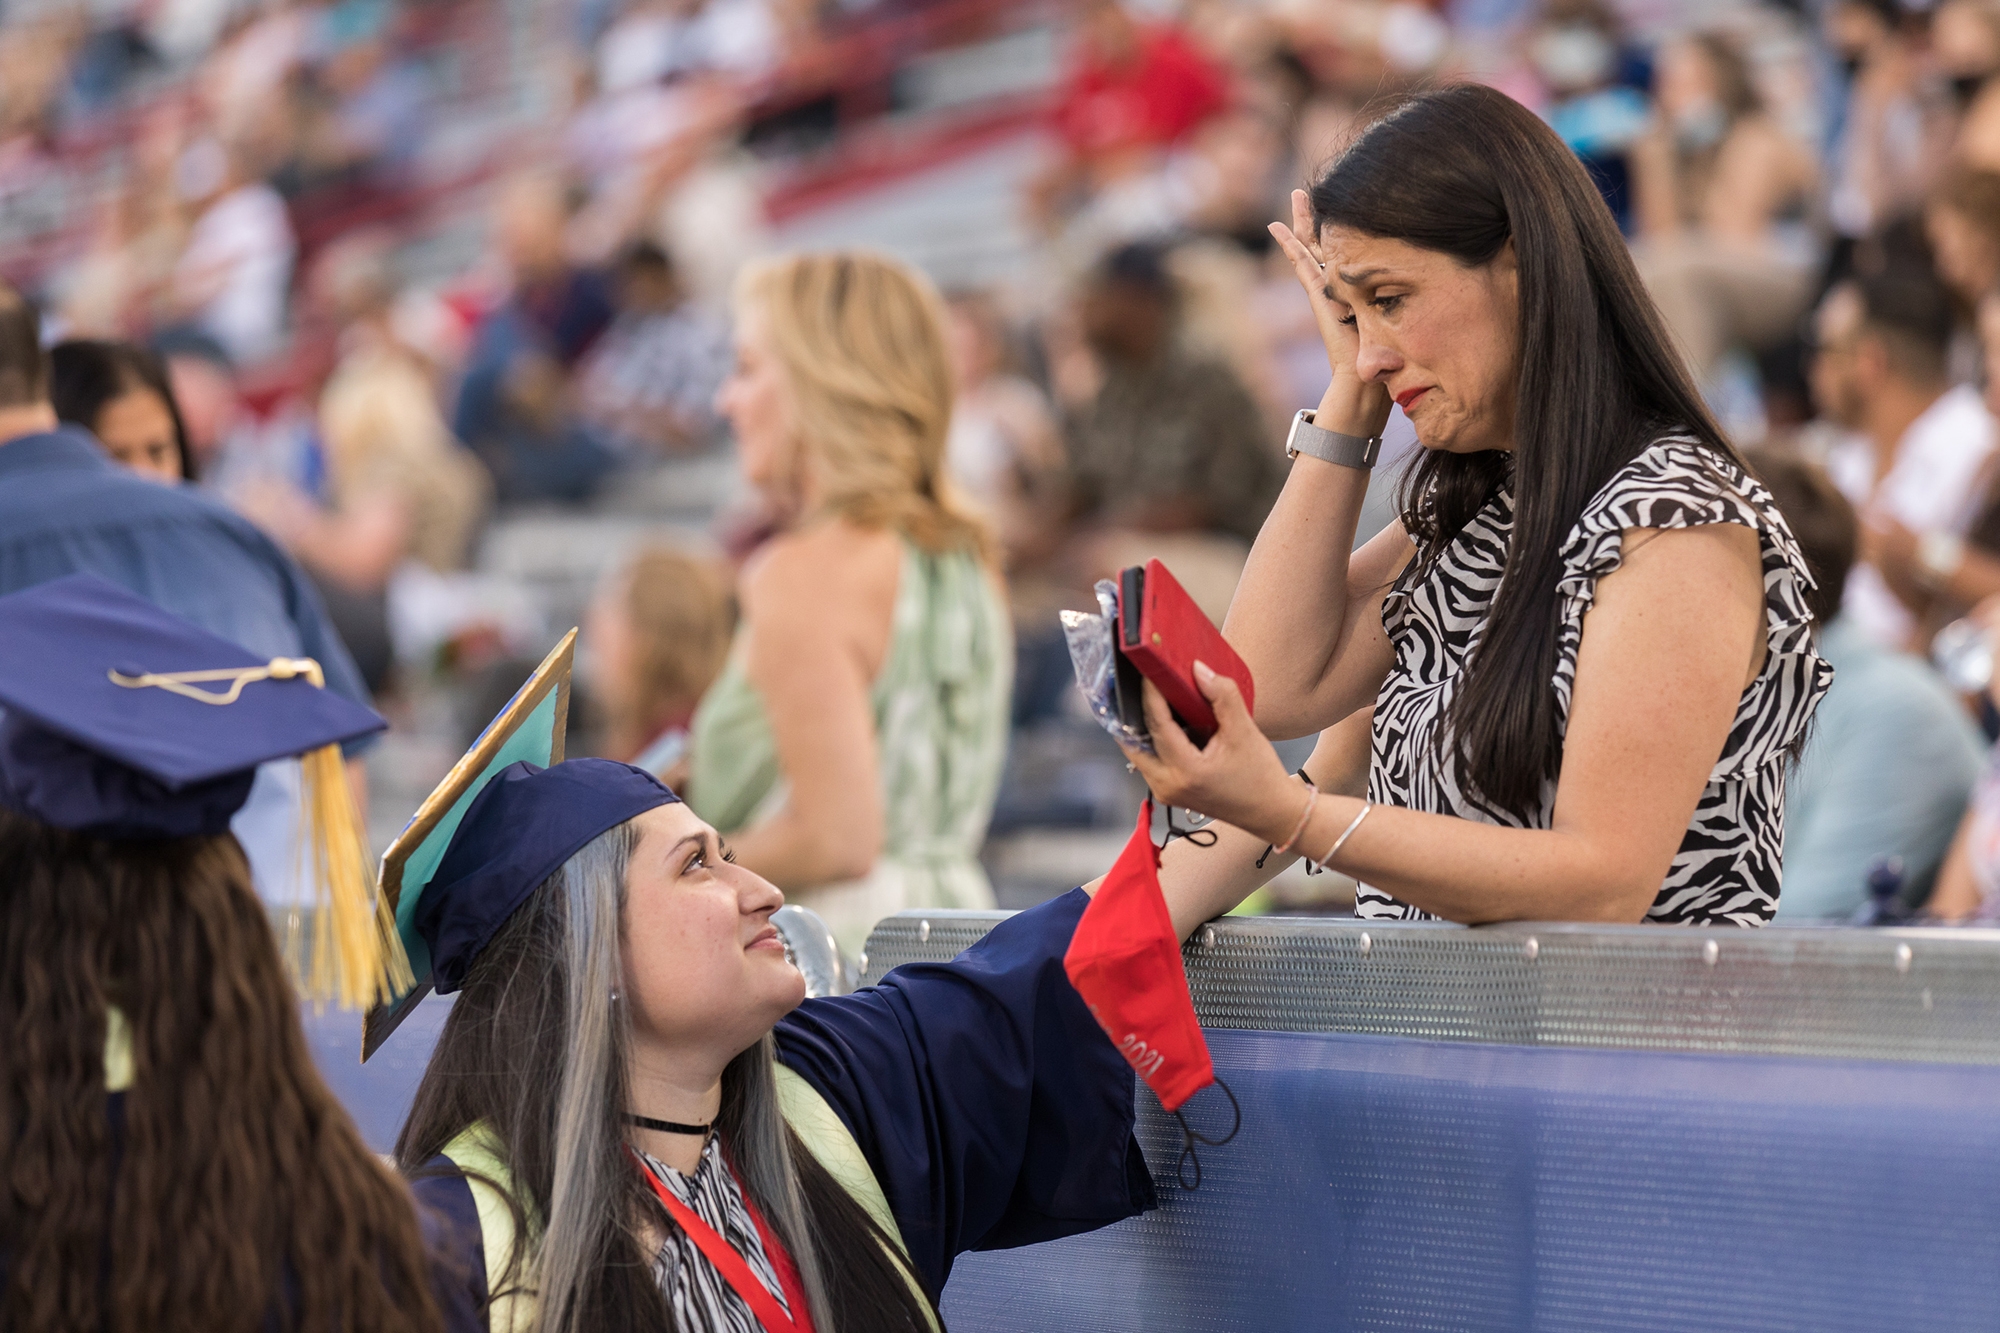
<point x="1893" y="755"/>
<point x="635" y="1119"/>
<point x="66" y="508"/>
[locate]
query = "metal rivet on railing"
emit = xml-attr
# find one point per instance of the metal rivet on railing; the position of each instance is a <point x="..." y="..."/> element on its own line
<point x="1208" y="937"/>
<point x="923" y="932"/>
<point x="1532" y="949"/>
<point x="1710" y="952"/>
<point x="1902" y="958"/>
<point x="1366" y="944"/>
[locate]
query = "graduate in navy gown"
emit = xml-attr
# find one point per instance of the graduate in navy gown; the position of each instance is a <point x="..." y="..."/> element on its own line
<point x="632" y="1080"/>
<point x="169" y="1156"/>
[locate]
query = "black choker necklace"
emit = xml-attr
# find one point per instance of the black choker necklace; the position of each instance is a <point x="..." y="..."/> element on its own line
<point x="668" y="1126"/>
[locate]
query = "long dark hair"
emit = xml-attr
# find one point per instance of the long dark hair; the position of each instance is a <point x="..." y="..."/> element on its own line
<point x="238" y="1195"/>
<point x="1463" y="170"/>
<point x="86" y="374"/>
<point x="536" y="1049"/>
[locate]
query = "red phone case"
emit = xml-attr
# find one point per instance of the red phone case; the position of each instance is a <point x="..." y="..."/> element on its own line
<point x="1173" y="634"/>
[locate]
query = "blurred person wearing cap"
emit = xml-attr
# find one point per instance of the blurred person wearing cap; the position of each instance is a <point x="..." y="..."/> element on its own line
<point x="1892" y="756"/>
<point x="174" y="1160"/>
<point x="1915" y="446"/>
<point x="646" y="1124"/>
<point x="66" y="507"/>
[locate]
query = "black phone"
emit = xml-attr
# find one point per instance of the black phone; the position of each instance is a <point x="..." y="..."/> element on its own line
<point x="1127" y="680"/>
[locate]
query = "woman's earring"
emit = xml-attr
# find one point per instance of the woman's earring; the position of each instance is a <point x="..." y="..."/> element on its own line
<point x="614" y="995"/>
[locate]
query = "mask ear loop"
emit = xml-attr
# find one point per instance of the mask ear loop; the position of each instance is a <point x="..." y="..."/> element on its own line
<point x="1191" y="1136"/>
<point x="1194" y="835"/>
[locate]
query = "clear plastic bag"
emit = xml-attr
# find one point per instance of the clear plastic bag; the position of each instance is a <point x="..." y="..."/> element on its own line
<point x="1093" y="652"/>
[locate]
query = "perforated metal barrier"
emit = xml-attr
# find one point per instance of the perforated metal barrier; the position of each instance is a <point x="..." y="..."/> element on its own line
<point x="1551" y="1127"/>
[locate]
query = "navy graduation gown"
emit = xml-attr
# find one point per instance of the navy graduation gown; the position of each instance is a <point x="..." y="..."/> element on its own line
<point x="991" y="1106"/>
<point x="451" y="1227"/>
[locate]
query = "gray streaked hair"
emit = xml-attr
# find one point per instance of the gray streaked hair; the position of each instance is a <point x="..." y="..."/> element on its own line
<point x="584" y="1202"/>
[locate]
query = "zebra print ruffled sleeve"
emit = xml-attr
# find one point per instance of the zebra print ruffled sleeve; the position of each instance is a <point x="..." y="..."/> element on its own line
<point x="1679" y="484"/>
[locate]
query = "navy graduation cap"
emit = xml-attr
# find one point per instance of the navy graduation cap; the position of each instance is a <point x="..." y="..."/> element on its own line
<point x="120" y="720"/>
<point x="520" y="829"/>
<point x="124" y="721"/>
<point x="506" y="817"/>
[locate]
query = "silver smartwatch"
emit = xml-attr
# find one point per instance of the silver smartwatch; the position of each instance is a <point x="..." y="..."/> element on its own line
<point x="1330" y="446"/>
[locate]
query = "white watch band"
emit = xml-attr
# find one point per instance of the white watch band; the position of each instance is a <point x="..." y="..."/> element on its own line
<point x="1328" y="446"/>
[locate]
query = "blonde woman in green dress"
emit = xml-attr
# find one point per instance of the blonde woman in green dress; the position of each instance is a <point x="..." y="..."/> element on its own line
<point x="851" y="750"/>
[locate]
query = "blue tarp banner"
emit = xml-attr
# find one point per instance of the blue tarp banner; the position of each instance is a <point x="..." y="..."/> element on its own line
<point x="1384" y="1183"/>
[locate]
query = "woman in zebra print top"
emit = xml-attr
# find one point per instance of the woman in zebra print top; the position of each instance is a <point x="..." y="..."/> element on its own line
<point x="1586" y="645"/>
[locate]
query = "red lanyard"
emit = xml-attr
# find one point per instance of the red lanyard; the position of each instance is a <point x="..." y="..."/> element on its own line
<point x="731" y="1265"/>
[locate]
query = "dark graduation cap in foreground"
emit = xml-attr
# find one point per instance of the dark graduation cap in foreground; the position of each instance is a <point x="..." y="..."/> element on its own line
<point x="123" y="721"/>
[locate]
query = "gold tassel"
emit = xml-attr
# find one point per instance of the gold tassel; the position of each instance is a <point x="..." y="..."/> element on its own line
<point x="357" y="955"/>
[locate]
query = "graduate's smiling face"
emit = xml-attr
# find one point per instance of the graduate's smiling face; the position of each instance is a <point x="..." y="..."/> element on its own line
<point x="704" y="967"/>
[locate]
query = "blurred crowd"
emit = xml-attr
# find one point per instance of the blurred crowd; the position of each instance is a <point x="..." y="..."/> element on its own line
<point x="399" y="279"/>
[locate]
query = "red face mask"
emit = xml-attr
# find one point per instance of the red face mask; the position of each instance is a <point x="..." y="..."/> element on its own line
<point x="1126" y="964"/>
<point x="1125" y="961"/>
